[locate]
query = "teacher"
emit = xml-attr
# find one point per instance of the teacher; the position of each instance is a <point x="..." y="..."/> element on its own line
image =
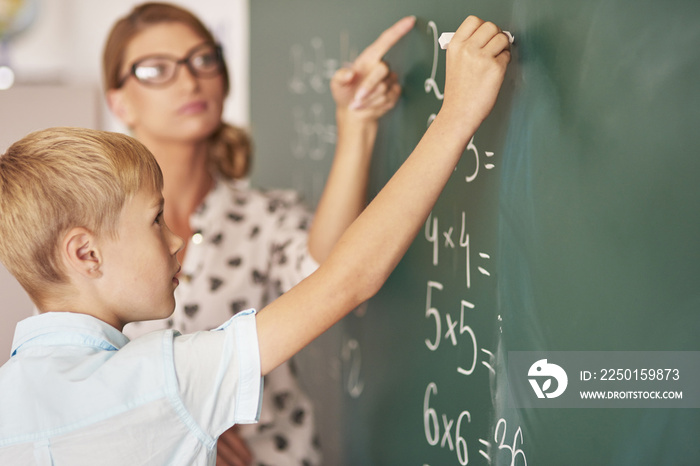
<point x="166" y="79"/>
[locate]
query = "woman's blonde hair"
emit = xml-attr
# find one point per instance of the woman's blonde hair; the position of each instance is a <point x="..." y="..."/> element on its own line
<point x="230" y="147"/>
<point x="60" y="178"/>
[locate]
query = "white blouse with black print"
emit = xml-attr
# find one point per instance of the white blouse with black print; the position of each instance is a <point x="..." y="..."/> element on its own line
<point x="248" y="248"/>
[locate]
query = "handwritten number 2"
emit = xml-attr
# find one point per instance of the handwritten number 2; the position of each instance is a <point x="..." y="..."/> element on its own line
<point x="430" y="83"/>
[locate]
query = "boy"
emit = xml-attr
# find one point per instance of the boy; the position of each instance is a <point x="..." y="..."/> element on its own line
<point x="82" y="230"/>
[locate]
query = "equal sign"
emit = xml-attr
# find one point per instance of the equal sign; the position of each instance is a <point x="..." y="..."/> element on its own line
<point x="488" y="447"/>
<point x="488" y="366"/>
<point x="489" y="166"/>
<point x="482" y="270"/>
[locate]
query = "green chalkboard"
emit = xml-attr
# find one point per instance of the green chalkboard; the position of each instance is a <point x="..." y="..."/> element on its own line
<point x="571" y="224"/>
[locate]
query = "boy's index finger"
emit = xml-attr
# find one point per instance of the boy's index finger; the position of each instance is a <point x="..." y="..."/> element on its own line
<point x="386" y="40"/>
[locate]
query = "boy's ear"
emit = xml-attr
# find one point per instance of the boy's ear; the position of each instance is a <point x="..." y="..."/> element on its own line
<point x="120" y="106"/>
<point x="81" y="253"/>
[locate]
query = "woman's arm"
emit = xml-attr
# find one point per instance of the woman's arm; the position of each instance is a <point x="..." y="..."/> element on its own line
<point x="363" y="93"/>
<point x="371" y="247"/>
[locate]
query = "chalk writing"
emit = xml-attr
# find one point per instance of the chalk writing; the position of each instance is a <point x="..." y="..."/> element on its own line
<point x="430" y="83"/>
<point x="351" y="355"/>
<point x="513" y="448"/>
<point x="432" y="233"/>
<point x="312" y="73"/>
<point x="314" y="137"/>
<point x="487" y="165"/>
<point x="457" y="330"/>
<point x="432" y="428"/>
<point x="449" y="327"/>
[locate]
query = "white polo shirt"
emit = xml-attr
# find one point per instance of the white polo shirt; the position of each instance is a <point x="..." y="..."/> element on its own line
<point x="76" y="391"/>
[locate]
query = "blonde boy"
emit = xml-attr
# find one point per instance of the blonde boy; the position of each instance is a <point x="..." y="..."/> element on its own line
<point x="82" y="230"/>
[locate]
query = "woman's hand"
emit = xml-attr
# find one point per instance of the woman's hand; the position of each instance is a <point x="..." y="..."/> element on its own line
<point x="363" y="93"/>
<point x="368" y="89"/>
<point x="232" y="450"/>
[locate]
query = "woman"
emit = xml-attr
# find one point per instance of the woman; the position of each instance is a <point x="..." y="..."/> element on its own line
<point x="165" y="78"/>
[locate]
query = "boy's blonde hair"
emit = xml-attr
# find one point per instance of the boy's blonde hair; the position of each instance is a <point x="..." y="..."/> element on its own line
<point x="61" y="178"/>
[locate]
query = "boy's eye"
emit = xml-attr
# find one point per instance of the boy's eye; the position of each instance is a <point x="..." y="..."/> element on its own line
<point x="159" y="218"/>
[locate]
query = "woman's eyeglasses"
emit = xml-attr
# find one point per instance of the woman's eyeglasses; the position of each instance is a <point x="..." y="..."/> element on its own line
<point x="204" y="61"/>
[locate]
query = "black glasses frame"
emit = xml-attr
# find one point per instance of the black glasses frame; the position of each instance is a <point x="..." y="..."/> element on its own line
<point x="186" y="60"/>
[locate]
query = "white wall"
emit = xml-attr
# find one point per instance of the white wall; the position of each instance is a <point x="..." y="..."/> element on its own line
<point x="65" y="43"/>
<point x="57" y="64"/>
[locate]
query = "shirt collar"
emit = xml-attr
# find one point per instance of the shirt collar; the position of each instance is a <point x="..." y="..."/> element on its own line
<point x="66" y="328"/>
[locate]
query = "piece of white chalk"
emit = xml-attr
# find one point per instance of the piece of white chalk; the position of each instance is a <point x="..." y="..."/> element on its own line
<point x="446" y="37"/>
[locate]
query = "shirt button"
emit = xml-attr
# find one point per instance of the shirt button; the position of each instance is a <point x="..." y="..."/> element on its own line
<point x="197" y="238"/>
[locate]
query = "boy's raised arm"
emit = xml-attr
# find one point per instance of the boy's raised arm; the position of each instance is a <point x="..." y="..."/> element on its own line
<point x="372" y="246"/>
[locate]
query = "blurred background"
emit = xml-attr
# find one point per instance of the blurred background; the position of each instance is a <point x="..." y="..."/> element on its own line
<point x="50" y="56"/>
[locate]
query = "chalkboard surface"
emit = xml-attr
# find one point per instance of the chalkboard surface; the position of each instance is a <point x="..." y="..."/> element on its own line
<point x="571" y="224"/>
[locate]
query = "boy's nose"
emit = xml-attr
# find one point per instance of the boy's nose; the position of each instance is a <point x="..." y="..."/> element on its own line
<point x="176" y="243"/>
